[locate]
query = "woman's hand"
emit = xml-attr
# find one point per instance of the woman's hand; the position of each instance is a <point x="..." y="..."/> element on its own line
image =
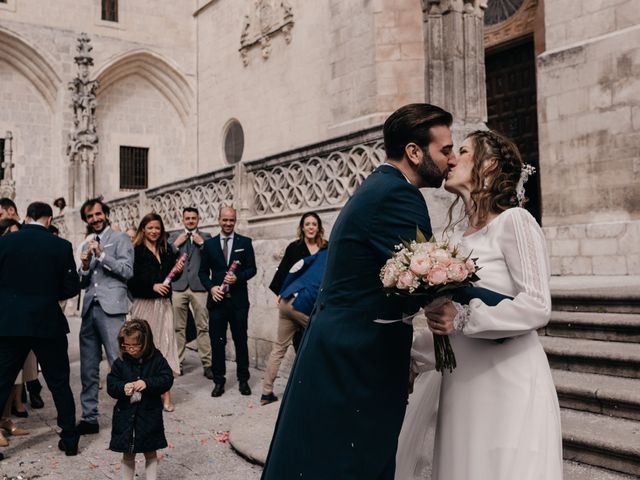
<point x="161" y="288"/>
<point x="180" y="265"/>
<point x="440" y="319"/>
<point x="128" y="389"/>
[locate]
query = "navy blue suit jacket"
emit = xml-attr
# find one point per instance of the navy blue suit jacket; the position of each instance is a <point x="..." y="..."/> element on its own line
<point x="213" y="268"/>
<point x="345" y="400"/>
<point x="37" y="270"/>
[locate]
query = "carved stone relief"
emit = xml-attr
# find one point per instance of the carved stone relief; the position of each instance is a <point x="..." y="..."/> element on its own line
<point x="265" y="19"/>
<point x="508" y="24"/>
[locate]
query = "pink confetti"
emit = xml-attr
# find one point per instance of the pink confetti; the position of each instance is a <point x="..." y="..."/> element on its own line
<point x="222" y="437"/>
<point x="204" y="440"/>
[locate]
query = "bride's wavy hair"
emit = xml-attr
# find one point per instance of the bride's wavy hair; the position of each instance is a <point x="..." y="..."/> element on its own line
<point x="494" y="182"/>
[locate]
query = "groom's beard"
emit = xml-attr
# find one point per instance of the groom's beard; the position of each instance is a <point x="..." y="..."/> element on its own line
<point x="429" y="172"/>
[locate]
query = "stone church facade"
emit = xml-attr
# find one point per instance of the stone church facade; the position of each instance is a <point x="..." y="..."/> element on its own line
<point x="275" y="106"/>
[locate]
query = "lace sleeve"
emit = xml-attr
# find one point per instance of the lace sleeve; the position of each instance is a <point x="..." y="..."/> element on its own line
<point x="524" y="248"/>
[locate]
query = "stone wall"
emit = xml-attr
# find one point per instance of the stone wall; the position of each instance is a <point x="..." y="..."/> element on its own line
<point x="589" y="126"/>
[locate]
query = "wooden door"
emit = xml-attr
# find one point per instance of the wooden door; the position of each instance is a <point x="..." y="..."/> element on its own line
<point x="511" y="107"/>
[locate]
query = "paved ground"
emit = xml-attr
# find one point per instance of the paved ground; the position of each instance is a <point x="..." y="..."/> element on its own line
<point x="195" y="432"/>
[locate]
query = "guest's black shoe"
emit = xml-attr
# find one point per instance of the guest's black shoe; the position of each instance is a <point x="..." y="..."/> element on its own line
<point x="16" y="413"/>
<point x="36" y="400"/>
<point x="69" y="445"/>
<point x="267" y="399"/>
<point x="208" y="373"/>
<point x="181" y="371"/>
<point x="86" y="428"/>
<point x="218" y="390"/>
<point x="244" y="388"/>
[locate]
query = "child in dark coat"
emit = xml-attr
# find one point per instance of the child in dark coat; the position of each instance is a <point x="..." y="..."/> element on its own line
<point x="137" y="380"/>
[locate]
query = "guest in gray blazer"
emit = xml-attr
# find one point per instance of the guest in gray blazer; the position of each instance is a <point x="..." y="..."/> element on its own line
<point x="106" y="265"/>
<point x="188" y="290"/>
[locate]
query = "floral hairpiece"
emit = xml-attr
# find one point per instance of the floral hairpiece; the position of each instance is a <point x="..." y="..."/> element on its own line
<point x="526" y="171"/>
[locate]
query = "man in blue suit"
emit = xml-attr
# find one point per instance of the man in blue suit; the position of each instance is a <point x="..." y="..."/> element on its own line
<point x="107" y="264"/>
<point x="345" y="400"/>
<point x="37" y="270"/>
<point x="230" y="308"/>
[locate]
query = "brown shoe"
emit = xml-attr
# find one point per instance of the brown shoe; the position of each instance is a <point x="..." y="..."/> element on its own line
<point x="3" y="440"/>
<point x="11" y="428"/>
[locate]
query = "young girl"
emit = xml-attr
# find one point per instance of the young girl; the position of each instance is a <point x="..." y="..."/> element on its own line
<point x="137" y="380"/>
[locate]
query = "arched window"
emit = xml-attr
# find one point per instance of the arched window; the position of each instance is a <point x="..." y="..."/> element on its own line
<point x="233" y="142"/>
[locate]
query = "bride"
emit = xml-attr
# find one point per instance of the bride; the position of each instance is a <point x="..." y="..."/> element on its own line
<point x="496" y="416"/>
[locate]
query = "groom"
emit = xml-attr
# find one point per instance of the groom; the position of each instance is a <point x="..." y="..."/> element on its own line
<point x="344" y="404"/>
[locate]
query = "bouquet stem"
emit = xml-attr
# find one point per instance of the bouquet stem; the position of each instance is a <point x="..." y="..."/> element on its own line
<point x="445" y="358"/>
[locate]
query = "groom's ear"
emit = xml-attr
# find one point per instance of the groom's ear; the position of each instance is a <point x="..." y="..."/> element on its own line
<point x="413" y="153"/>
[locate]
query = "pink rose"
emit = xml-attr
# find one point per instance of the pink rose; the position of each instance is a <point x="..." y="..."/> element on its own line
<point x="390" y="275"/>
<point x="471" y="265"/>
<point x="437" y="276"/>
<point x="457" y="271"/>
<point x="420" y="264"/>
<point x="407" y="280"/>
<point x="441" y="257"/>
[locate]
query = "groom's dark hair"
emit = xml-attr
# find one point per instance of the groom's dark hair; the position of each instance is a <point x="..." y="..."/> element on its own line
<point x="412" y="124"/>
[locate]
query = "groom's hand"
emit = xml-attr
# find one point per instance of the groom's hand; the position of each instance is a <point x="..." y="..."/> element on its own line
<point x="440" y="319"/>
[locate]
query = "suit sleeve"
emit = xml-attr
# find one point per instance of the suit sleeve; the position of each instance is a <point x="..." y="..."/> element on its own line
<point x="403" y="210"/>
<point x="248" y="270"/>
<point x="70" y="282"/>
<point x="122" y="264"/>
<point x="205" y="267"/>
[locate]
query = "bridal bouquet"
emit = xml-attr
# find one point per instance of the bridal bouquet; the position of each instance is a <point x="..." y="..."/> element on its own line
<point x="430" y="269"/>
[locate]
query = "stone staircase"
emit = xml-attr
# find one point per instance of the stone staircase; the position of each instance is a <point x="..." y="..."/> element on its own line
<point x="593" y="346"/>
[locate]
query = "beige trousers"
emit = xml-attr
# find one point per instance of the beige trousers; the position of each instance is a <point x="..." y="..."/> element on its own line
<point x="290" y="321"/>
<point x="29" y="370"/>
<point x="198" y="302"/>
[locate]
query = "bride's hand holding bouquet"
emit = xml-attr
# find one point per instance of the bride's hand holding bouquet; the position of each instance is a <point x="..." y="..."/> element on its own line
<point x="433" y="270"/>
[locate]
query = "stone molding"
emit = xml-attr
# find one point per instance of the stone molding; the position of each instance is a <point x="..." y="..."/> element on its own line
<point x="518" y="25"/>
<point x="265" y="19"/>
<point x="321" y="176"/>
<point x="32" y="64"/>
<point x="157" y="70"/>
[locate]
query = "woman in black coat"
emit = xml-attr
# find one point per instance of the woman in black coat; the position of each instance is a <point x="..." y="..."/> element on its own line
<point x="137" y="380"/>
<point x="153" y="260"/>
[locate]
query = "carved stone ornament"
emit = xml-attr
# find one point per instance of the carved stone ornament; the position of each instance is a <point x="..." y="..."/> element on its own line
<point x="266" y="19"/>
<point x="509" y="21"/>
<point x="82" y="144"/>
<point x="8" y="184"/>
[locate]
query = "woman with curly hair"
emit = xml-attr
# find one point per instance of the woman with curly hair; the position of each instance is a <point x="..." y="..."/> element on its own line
<point x="498" y="416"/>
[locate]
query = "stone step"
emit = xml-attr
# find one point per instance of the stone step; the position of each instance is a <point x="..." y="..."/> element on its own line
<point x="601" y="441"/>
<point x="618" y="300"/>
<point x="612" y="327"/>
<point x="593" y="356"/>
<point x="580" y="471"/>
<point x="603" y="394"/>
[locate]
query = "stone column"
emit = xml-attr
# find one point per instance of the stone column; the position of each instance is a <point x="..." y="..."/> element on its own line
<point x="8" y="184"/>
<point x="454" y="59"/>
<point x="82" y="147"/>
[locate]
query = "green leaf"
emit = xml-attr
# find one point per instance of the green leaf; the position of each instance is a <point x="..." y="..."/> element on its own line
<point x="420" y="238"/>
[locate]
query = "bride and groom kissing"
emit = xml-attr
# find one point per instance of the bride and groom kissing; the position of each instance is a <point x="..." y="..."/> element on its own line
<point x="495" y="416"/>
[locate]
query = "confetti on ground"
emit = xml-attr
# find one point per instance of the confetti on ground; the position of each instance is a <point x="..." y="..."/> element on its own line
<point x="222" y="437"/>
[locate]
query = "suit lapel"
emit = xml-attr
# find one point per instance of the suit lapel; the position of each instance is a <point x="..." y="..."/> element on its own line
<point x="217" y="249"/>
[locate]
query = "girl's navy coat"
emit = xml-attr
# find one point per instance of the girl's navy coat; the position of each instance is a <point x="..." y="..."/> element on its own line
<point x="138" y="427"/>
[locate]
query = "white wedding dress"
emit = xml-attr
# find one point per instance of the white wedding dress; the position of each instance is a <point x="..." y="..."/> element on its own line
<point x="498" y="416"/>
